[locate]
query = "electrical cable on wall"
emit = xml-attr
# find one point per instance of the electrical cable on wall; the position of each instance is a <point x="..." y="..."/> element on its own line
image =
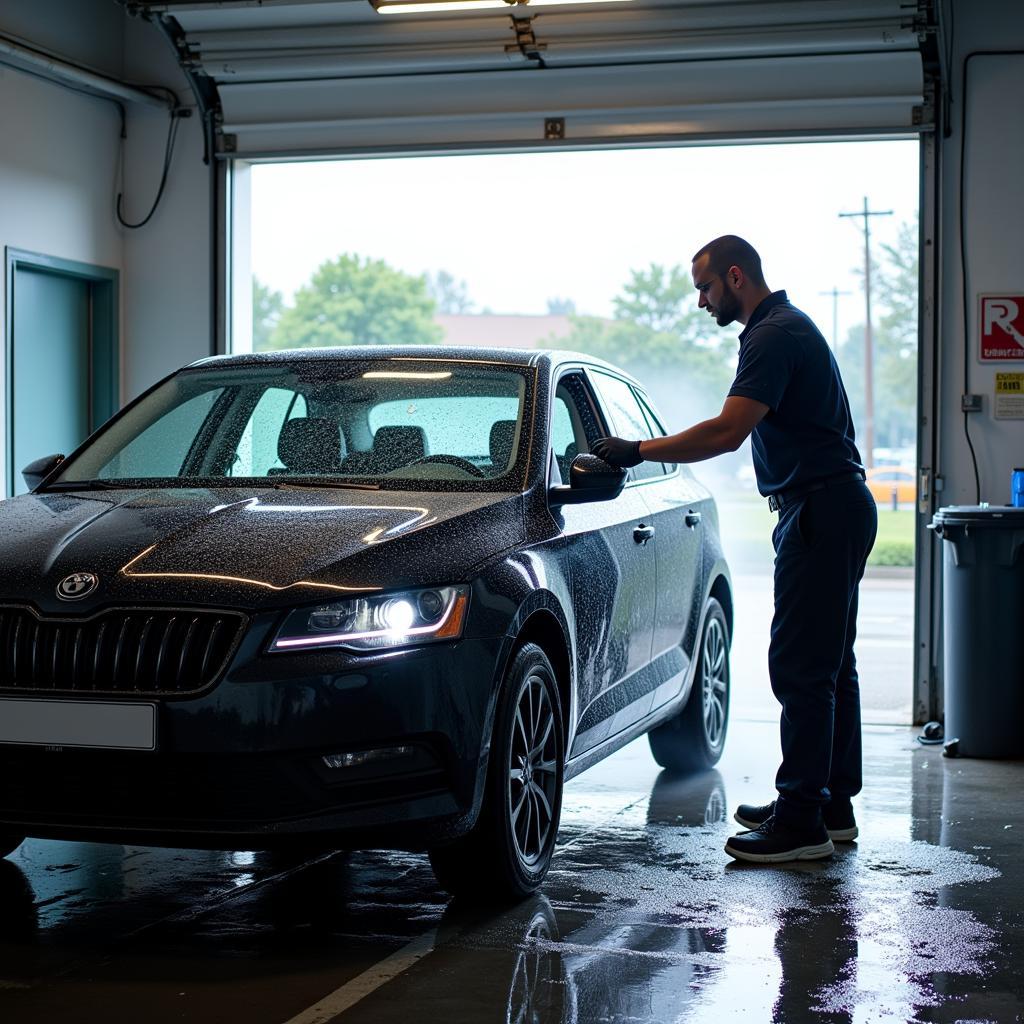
<point x="172" y="133"/>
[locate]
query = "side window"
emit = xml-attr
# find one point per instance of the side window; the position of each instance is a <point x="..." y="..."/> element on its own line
<point x="573" y="426"/>
<point x="626" y="418"/>
<point x="657" y="430"/>
<point x="257" y="447"/>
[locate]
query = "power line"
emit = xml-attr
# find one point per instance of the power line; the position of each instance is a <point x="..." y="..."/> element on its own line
<point x="869" y="383"/>
<point x="835" y="293"/>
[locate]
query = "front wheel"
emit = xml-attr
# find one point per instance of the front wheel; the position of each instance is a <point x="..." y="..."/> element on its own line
<point x="508" y="852"/>
<point x="9" y="843"/>
<point x="695" y="737"/>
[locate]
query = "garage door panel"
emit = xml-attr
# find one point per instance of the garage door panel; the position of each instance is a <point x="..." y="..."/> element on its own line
<point x="454" y="43"/>
<point x="854" y="93"/>
<point x="333" y="76"/>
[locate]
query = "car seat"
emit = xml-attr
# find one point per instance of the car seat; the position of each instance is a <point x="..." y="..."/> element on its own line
<point x="309" y="446"/>
<point x="503" y="434"/>
<point x="393" y="448"/>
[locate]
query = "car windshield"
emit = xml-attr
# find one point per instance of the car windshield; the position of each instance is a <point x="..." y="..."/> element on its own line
<point x="398" y="423"/>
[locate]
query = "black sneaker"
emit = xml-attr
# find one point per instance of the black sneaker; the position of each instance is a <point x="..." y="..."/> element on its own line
<point x="839" y="819"/>
<point x="773" y="843"/>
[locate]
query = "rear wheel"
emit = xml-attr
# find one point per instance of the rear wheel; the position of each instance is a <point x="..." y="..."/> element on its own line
<point x="9" y="843"/>
<point x="695" y="737"/>
<point x="508" y="852"/>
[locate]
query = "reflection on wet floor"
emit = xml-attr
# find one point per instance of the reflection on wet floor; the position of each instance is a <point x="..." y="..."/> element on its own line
<point x="643" y="918"/>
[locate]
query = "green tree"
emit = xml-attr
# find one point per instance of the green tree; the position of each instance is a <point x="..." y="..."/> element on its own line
<point x="355" y="301"/>
<point x="267" y="306"/>
<point x="659" y="298"/>
<point x="558" y="306"/>
<point x="450" y="295"/>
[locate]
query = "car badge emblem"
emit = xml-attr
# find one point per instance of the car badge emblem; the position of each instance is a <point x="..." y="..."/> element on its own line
<point x="77" y="586"/>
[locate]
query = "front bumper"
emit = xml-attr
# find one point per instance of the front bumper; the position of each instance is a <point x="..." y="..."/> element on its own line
<point x="241" y="766"/>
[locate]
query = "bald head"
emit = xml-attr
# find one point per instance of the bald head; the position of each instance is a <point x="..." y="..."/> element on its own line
<point x="727" y="275"/>
<point x="732" y="251"/>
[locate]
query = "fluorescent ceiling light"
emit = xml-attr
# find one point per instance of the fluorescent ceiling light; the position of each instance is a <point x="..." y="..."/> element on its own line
<point x="434" y="6"/>
<point x="405" y="375"/>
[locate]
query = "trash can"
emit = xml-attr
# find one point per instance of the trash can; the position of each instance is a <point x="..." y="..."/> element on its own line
<point x="983" y="622"/>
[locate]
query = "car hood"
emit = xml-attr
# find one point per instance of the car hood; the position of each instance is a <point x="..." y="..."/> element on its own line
<point x="263" y="547"/>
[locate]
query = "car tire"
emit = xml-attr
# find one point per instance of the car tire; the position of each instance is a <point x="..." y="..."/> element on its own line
<point x="9" y="843"/>
<point x="508" y="852"/>
<point x="694" y="738"/>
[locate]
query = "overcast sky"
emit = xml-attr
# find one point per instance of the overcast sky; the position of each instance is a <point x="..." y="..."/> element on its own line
<point x="522" y="228"/>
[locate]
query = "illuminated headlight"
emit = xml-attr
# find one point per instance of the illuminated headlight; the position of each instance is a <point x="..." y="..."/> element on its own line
<point x="378" y="622"/>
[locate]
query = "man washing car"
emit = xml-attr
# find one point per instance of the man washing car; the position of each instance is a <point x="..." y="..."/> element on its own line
<point x="789" y="395"/>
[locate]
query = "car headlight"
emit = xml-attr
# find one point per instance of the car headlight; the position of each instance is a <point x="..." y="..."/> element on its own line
<point x="377" y="622"/>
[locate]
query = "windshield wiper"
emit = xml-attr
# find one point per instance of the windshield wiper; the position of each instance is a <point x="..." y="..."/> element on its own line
<point x="82" y="485"/>
<point x="289" y="484"/>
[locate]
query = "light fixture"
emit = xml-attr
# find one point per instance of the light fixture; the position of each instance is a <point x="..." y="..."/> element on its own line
<point x="361" y="757"/>
<point x="377" y="622"/>
<point x="437" y="6"/>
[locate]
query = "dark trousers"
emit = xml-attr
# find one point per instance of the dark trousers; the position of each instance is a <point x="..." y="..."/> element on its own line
<point x="821" y="544"/>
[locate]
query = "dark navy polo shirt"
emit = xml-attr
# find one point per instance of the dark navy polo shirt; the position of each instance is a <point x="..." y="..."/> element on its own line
<point x="786" y="364"/>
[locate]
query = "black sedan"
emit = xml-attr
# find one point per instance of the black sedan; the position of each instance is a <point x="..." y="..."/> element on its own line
<point x="355" y="597"/>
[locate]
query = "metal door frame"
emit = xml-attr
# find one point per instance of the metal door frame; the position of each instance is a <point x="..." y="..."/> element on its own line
<point x="104" y="340"/>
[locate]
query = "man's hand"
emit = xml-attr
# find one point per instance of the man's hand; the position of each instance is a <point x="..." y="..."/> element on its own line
<point x="617" y="452"/>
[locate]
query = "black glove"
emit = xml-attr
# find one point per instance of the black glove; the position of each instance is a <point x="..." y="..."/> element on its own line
<point x="617" y="452"/>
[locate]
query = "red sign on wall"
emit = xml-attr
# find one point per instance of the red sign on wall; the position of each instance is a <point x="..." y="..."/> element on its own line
<point x="1002" y="327"/>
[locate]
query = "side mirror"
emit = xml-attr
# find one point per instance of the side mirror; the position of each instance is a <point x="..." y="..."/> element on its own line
<point x="590" y="479"/>
<point x="36" y="472"/>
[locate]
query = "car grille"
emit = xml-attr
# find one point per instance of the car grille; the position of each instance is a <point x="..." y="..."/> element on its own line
<point x="150" y="651"/>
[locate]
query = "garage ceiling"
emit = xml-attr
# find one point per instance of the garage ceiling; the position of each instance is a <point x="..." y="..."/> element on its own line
<point x="333" y="77"/>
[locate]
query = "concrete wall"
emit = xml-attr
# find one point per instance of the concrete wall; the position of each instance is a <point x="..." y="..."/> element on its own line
<point x="994" y="221"/>
<point x="62" y="163"/>
<point x="167" y="262"/>
<point x="59" y="156"/>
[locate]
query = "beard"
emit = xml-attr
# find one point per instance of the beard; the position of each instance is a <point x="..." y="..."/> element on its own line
<point x="728" y="307"/>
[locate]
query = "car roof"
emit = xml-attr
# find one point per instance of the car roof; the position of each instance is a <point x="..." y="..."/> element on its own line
<point x="542" y="358"/>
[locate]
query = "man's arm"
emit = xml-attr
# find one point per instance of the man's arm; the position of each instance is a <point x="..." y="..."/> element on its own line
<point x="724" y="433"/>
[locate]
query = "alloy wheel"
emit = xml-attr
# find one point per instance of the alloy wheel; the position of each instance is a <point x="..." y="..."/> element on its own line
<point x="715" y="679"/>
<point x="532" y="771"/>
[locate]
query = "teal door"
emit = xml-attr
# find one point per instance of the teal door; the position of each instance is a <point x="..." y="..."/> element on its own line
<point x="50" y="363"/>
<point x="61" y="352"/>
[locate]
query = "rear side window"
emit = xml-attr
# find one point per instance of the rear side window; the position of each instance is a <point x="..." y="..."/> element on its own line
<point x="627" y="419"/>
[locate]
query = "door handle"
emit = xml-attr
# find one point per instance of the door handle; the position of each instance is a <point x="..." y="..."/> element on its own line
<point x="642" y="534"/>
<point x="693" y="519"/>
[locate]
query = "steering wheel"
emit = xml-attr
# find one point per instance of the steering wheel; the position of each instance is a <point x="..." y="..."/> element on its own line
<point x="451" y="460"/>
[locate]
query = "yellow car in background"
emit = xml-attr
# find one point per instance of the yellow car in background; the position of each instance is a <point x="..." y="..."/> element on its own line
<point x="884" y="481"/>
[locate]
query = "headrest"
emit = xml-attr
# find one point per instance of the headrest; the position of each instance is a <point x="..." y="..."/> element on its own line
<point x="310" y="446"/>
<point x="503" y="433"/>
<point x="400" y="445"/>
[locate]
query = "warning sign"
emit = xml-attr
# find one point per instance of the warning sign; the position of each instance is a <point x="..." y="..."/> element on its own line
<point x="1002" y="327"/>
<point x="1009" y="397"/>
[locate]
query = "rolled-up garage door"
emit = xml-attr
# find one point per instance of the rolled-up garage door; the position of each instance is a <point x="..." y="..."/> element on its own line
<point x="332" y="77"/>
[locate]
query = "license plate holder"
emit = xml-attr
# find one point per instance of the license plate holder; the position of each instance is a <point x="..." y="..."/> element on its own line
<point x="88" y="724"/>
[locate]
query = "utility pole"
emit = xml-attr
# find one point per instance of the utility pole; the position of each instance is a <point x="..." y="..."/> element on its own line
<point x="869" y="382"/>
<point x="835" y="293"/>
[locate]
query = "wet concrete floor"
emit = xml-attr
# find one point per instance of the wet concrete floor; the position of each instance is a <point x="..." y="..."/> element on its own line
<point x="643" y="918"/>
